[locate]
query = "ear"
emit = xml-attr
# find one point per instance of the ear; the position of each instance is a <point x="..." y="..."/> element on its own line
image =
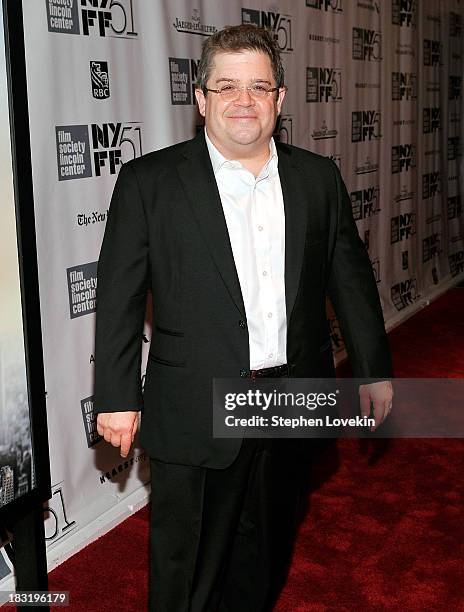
<point x="201" y="101"/>
<point x="280" y="99"/>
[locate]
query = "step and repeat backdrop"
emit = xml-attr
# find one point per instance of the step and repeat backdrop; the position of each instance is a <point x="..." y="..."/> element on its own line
<point x="377" y="86"/>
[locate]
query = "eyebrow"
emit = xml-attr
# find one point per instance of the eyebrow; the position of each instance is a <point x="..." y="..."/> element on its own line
<point x="226" y="80"/>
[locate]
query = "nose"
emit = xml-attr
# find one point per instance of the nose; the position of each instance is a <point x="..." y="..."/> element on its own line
<point x="245" y="98"/>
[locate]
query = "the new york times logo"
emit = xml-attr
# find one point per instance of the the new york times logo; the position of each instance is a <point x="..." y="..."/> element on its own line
<point x="279" y="24"/>
<point x="403" y="158"/>
<point x="283" y="131"/>
<point x="404" y="13"/>
<point x="431" y="119"/>
<point x="183" y="74"/>
<point x="431" y="185"/>
<point x="454" y="207"/>
<point x="365" y="202"/>
<point x="101" y="17"/>
<point x="431" y="247"/>
<point x="455" y="25"/>
<point x="432" y="52"/>
<point x="365" y="125"/>
<point x="454" y="148"/>
<point x="456" y="263"/>
<point x="194" y="25"/>
<point x="404" y="86"/>
<point x="367" y="45"/>
<point x="334" y="6"/>
<point x="454" y="88"/>
<point x="82" y="289"/>
<point x="90" y="421"/>
<point x="403" y="227"/>
<point x="112" y="145"/>
<point x="404" y="294"/>
<point x="323" y="84"/>
<point x="86" y="219"/>
<point x="100" y="80"/>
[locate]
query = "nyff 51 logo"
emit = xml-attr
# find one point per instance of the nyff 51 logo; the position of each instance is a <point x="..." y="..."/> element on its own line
<point x="334" y="6"/>
<point x="404" y="293"/>
<point x="100" y="80"/>
<point x="431" y="119"/>
<point x="431" y="185"/>
<point x="109" y="145"/>
<point x="113" y="18"/>
<point x="278" y="23"/>
<point x="365" y="125"/>
<point x="404" y="86"/>
<point x="283" y="131"/>
<point x="323" y="84"/>
<point x="404" y="13"/>
<point x="431" y="247"/>
<point x="403" y="227"/>
<point x="365" y="202"/>
<point x="454" y="87"/>
<point x="432" y="52"/>
<point x="403" y="158"/>
<point x="367" y="45"/>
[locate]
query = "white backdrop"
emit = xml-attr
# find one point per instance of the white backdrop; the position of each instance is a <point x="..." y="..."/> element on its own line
<point x="375" y="85"/>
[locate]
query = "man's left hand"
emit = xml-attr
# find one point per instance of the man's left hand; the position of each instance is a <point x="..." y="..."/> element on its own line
<point x="381" y="396"/>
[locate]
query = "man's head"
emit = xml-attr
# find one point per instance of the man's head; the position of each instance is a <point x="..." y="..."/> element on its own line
<point x="246" y="60"/>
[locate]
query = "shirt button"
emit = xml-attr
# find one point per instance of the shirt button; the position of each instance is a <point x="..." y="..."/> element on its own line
<point x="242" y="323"/>
<point x="260" y="228"/>
<point x="269" y="314"/>
<point x="243" y="373"/>
<point x="264" y="273"/>
<point x="271" y="355"/>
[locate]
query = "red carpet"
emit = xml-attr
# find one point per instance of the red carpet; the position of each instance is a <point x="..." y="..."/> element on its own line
<point x="384" y="526"/>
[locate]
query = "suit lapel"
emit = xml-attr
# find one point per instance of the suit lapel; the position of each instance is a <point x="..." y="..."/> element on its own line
<point x="197" y="178"/>
<point x="296" y="218"/>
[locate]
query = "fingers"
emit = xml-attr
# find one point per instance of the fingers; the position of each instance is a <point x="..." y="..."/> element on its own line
<point x="365" y="404"/>
<point x="119" y="433"/>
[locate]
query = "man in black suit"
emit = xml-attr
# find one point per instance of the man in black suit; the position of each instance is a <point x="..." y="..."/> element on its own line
<point x="239" y="239"/>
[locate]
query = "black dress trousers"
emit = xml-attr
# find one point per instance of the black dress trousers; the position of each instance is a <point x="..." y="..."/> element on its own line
<point x="211" y="533"/>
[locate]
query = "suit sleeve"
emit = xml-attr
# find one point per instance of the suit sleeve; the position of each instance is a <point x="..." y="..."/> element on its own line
<point x="353" y="292"/>
<point x="122" y="280"/>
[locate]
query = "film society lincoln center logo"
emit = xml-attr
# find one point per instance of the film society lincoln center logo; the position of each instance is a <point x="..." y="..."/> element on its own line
<point x="90" y="421"/>
<point x="84" y="151"/>
<point x="82" y="289"/>
<point x="113" y="18"/>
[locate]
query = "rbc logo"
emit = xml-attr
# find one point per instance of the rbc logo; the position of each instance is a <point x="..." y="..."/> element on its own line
<point x="100" y="80"/>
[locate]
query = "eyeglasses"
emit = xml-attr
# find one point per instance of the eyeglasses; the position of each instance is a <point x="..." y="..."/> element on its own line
<point x="257" y="91"/>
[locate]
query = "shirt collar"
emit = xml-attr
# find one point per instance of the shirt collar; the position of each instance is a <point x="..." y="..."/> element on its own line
<point x="218" y="160"/>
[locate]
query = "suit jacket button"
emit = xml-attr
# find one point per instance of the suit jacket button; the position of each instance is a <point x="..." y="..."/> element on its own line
<point x="243" y="373"/>
<point x="242" y="323"/>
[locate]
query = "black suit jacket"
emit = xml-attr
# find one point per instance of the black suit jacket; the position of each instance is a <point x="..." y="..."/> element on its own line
<point x="166" y="232"/>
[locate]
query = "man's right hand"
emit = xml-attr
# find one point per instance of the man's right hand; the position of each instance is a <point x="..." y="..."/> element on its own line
<point x="119" y="428"/>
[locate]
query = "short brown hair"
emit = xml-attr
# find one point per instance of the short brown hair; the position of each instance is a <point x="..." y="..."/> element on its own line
<point x="235" y="39"/>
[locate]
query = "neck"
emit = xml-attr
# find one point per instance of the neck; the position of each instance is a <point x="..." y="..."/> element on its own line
<point x="252" y="159"/>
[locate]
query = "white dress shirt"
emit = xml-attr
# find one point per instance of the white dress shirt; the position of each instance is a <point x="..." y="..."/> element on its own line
<point x="254" y="212"/>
